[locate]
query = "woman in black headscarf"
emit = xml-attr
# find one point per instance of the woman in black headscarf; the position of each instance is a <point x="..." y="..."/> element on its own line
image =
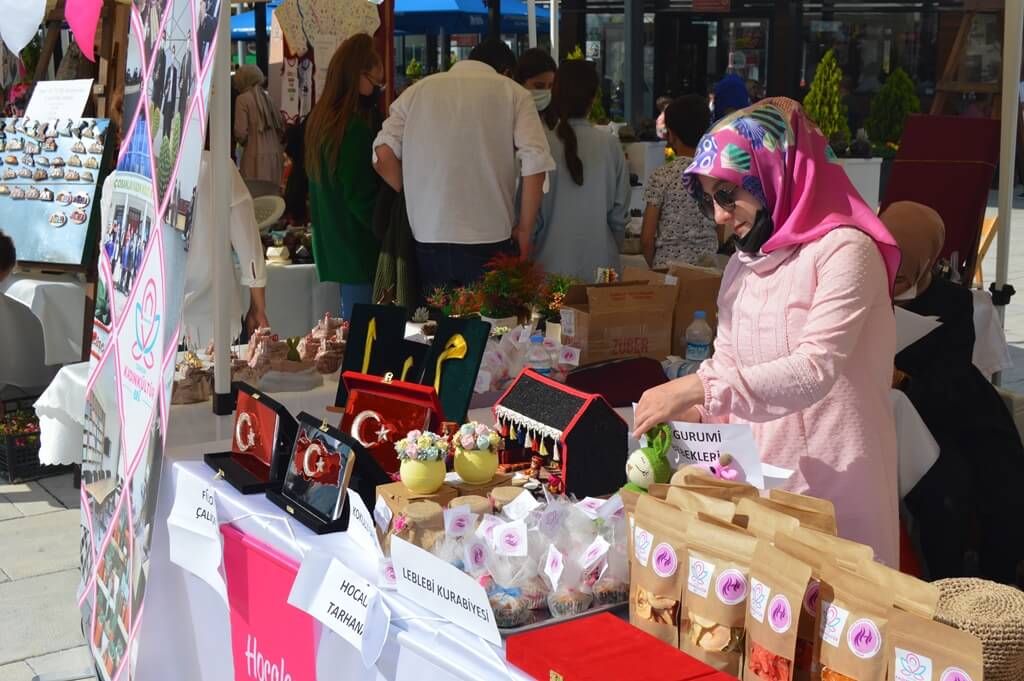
<point x="971" y="499"/>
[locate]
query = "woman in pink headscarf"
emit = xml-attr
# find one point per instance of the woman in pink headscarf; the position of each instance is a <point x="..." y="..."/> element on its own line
<point x="806" y="333"/>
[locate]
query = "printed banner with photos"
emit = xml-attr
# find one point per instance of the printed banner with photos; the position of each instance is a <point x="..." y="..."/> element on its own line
<point x="146" y="220"/>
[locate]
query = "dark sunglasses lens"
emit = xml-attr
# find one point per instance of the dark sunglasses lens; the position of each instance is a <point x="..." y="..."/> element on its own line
<point x="706" y="206"/>
<point x="726" y="198"/>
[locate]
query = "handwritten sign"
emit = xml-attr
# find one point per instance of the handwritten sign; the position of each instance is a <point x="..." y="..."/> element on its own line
<point x="338" y="597"/>
<point x="58" y="99"/>
<point x="193" y="532"/>
<point x="443" y="589"/>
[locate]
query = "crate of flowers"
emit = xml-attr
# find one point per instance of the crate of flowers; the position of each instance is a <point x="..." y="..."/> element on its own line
<point x="19" y="445"/>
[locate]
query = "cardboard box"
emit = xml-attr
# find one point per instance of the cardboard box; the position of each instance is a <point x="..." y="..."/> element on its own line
<point x="397" y="496"/>
<point x="616" y="321"/>
<point x="696" y="289"/>
<point x="464" y="489"/>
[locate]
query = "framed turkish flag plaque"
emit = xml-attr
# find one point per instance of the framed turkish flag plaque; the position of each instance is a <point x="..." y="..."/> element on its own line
<point x="380" y="411"/>
<point x="317" y="476"/>
<point x="261" y="440"/>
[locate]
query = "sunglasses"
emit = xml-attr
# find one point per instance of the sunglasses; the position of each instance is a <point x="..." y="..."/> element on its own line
<point x="725" y="198"/>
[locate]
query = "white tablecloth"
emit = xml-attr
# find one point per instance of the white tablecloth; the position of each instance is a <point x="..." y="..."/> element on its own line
<point x="296" y="299"/>
<point x="61" y="412"/>
<point x="58" y="302"/>
<point x="991" y="353"/>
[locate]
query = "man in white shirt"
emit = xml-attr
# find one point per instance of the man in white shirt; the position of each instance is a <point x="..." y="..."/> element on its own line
<point x="458" y="143"/>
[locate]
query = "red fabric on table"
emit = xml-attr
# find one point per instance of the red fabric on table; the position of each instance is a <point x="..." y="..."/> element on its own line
<point x="603" y="647"/>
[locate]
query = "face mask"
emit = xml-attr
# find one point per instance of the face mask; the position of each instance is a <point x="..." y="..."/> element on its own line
<point x="541" y="98"/>
<point x="909" y="294"/>
<point x="758" y="234"/>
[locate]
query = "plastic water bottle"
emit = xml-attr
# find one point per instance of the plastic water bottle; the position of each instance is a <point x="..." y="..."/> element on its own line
<point x="537" y="356"/>
<point x="698" y="338"/>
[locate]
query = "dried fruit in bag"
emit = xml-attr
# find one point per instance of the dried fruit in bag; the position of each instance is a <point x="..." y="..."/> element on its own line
<point x="714" y="637"/>
<point x="831" y="675"/>
<point x="767" y="665"/>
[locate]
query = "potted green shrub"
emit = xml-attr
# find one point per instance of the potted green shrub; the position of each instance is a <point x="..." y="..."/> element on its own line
<point x="549" y="303"/>
<point x="508" y="290"/>
<point x="888" y="115"/>
<point x="824" y="103"/>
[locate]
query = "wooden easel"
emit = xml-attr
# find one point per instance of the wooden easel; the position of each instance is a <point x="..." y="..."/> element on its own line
<point x="105" y="102"/>
<point x="951" y="81"/>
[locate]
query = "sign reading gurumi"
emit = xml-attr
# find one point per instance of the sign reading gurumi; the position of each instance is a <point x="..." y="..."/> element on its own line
<point x="145" y="220"/>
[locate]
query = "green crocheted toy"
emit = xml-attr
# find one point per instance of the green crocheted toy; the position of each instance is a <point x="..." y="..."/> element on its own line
<point x="649" y="465"/>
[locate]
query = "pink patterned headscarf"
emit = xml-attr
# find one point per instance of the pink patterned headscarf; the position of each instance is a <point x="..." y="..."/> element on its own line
<point x="775" y="152"/>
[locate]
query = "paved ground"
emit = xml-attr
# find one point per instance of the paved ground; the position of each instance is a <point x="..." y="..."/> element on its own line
<point x="39" y="623"/>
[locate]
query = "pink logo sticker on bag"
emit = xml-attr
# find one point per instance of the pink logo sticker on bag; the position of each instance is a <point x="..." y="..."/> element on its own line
<point x="780" y="614"/>
<point x="731" y="587"/>
<point x="955" y="674"/>
<point x="664" y="560"/>
<point x="811" y="598"/>
<point x="864" y="639"/>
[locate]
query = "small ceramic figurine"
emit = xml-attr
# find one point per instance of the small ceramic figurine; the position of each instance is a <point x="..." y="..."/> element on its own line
<point x="649" y="465"/>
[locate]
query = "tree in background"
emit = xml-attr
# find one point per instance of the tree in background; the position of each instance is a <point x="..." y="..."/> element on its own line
<point x="824" y="105"/>
<point x="889" y="110"/>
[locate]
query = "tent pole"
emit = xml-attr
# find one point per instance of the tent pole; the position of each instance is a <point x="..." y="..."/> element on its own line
<point x="1013" y="28"/>
<point x="531" y="22"/>
<point x="553" y="27"/>
<point x="220" y="192"/>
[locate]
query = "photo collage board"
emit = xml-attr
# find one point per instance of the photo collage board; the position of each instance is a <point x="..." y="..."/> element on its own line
<point x="146" y="212"/>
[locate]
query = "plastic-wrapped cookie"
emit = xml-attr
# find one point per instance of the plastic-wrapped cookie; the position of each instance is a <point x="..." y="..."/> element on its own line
<point x="79" y="216"/>
<point x="78" y="147"/>
<point x="91" y="162"/>
<point x="32" y="193"/>
<point x="95" y="148"/>
<point x="58" y="219"/>
<point x="31" y="148"/>
<point x="25" y="172"/>
<point x="72" y="175"/>
<point x="11" y="160"/>
<point x="64" y="198"/>
<point x="46" y="195"/>
<point x="57" y="173"/>
<point x="27" y="160"/>
<point x="89" y="131"/>
<point x="42" y="161"/>
<point x="81" y="199"/>
<point x="57" y="161"/>
<point x="10" y="174"/>
<point x="75" y="161"/>
<point x="17" y="193"/>
<point x="87" y="176"/>
<point x="50" y="145"/>
<point x="4" y="190"/>
<point x="40" y="174"/>
<point x="13" y="145"/>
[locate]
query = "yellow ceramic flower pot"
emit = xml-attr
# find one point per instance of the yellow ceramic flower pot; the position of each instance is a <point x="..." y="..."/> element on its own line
<point x="476" y="466"/>
<point x="422" y="477"/>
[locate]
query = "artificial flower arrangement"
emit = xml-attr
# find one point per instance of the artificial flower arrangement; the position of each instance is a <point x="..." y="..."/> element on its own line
<point x="509" y="287"/>
<point x="552" y="296"/>
<point x="476" y="452"/>
<point x="422" y="454"/>
<point x="460" y="302"/>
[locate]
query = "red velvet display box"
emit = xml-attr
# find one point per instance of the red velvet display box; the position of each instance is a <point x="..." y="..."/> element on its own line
<point x="599" y="648"/>
<point x="380" y="411"/>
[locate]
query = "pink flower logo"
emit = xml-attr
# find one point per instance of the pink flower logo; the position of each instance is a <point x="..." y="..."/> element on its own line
<point x="665" y="562"/>
<point x="400" y="523"/>
<point x="510" y="540"/>
<point x="389" y="573"/>
<point x="476" y="556"/>
<point x="731" y="587"/>
<point x="459" y="524"/>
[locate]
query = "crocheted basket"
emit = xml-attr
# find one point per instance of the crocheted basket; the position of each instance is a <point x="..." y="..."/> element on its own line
<point x="992" y="612"/>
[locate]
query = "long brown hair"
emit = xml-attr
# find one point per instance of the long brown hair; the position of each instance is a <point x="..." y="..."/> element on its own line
<point x="573" y="95"/>
<point x="338" y="103"/>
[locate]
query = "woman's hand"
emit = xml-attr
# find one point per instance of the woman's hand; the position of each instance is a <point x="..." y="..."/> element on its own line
<point x="673" y="401"/>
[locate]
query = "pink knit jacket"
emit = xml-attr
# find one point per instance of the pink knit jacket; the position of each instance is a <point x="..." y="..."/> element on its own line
<point x="804" y="353"/>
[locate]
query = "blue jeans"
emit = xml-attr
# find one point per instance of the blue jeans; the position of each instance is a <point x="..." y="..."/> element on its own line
<point x="455" y="265"/>
<point x="352" y="294"/>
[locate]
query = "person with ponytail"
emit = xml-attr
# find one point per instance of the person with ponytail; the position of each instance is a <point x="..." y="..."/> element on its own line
<point x="342" y="185"/>
<point x="806" y="334"/>
<point x="583" y="217"/>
